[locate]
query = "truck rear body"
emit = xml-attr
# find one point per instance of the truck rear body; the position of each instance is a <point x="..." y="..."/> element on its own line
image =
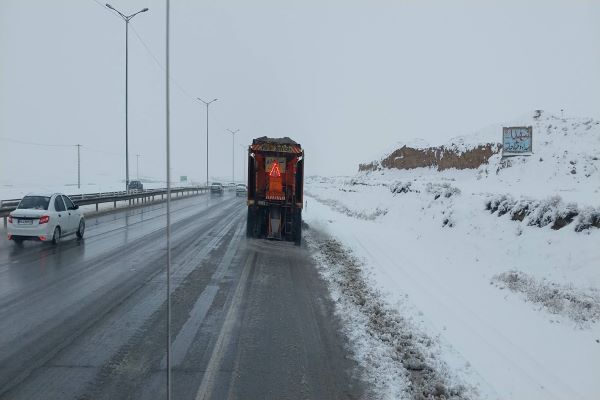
<point x="275" y="189"/>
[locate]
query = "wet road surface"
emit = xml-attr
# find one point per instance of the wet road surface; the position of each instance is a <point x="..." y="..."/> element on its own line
<point x="251" y="319"/>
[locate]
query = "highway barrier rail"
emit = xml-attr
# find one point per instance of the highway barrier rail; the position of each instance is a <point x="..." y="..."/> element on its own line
<point x="133" y="197"/>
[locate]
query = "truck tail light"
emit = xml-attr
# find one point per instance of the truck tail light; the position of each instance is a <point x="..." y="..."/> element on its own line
<point x="44" y="219"/>
<point x="10" y="219"/>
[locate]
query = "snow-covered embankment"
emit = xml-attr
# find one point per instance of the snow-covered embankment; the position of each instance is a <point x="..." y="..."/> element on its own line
<point x="498" y="303"/>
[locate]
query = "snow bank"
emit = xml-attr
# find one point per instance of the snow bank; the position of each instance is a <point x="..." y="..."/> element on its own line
<point x="401" y="360"/>
<point x="580" y="306"/>
<point x="552" y="211"/>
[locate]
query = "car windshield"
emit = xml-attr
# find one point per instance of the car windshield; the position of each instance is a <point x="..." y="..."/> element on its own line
<point x="216" y="184"/>
<point x="34" y="202"/>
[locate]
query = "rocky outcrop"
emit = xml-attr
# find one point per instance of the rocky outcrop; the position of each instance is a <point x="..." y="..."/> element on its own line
<point x="441" y="157"/>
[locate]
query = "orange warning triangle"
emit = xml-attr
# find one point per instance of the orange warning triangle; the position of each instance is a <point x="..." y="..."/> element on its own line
<point x="275" y="170"/>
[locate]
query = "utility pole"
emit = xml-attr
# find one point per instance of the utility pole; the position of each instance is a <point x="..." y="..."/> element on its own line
<point x="78" y="166"/>
<point x="137" y="156"/>
<point x="126" y="18"/>
<point x="233" y="153"/>
<point x="207" y="103"/>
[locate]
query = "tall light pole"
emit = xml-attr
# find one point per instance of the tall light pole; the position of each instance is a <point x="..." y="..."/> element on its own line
<point x="137" y="164"/>
<point x="126" y="18"/>
<point x="233" y="153"/>
<point x="244" y="161"/>
<point x="207" y="103"/>
<point x="78" y="166"/>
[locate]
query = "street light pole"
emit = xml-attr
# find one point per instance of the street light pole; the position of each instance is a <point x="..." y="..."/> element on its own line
<point x="233" y="153"/>
<point x="244" y="161"/>
<point x="78" y="166"/>
<point x="207" y="103"/>
<point x="126" y="18"/>
<point x="137" y="156"/>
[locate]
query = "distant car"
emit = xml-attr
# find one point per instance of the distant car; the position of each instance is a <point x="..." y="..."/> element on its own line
<point x="241" y="189"/>
<point x="216" y="188"/>
<point x="45" y="218"/>
<point x="136" y="185"/>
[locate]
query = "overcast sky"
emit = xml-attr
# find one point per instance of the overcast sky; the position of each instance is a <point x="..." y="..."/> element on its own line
<point x="343" y="78"/>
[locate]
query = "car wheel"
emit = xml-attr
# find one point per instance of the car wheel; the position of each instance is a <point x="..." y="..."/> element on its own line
<point x="56" y="236"/>
<point x="81" y="229"/>
<point x="18" y="241"/>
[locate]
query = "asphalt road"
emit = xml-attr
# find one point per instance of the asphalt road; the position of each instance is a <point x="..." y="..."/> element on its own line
<point x="251" y="318"/>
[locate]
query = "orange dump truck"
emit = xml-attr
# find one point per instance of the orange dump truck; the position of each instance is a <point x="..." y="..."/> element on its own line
<point x="275" y="189"/>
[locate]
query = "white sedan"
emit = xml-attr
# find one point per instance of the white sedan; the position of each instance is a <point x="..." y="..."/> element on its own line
<point x="45" y="217"/>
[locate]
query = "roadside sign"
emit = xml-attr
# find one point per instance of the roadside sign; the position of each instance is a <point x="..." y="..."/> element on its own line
<point x="517" y="140"/>
<point x="183" y="178"/>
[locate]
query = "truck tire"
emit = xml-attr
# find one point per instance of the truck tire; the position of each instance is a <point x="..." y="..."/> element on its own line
<point x="250" y="222"/>
<point x="262" y="223"/>
<point x="298" y="228"/>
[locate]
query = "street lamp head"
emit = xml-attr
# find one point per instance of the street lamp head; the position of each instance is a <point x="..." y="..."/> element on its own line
<point x="109" y="6"/>
<point x="144" y="10"/>
<point x="207" y="103"/>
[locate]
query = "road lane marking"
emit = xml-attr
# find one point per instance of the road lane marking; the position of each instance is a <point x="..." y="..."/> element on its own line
<point x="186" y="334"/>
<point x="209" y="378"/>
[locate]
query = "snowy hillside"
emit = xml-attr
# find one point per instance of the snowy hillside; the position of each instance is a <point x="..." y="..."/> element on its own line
<point x="493" y="272"/>
<point x="565" y="160"/>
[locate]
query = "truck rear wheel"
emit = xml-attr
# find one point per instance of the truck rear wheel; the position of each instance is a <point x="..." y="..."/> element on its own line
<point x="262" y="222"/>
<point x="250" y="222"/>
<point x="298" y="227"/>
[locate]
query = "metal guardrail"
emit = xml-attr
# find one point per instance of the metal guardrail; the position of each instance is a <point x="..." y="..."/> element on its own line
<point x="137" y="196"/>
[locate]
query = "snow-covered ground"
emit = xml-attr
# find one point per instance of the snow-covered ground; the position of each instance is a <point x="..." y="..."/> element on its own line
<point x="18" y="190"/>
<point x="15" y="189"/>
<point x="512" y="308"/>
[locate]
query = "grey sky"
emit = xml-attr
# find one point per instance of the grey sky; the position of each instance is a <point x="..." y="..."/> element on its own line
<point x="344" y="78"/>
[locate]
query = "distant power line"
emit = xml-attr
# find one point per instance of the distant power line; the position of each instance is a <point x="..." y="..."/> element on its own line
<point x="86" y="148"/>
<point x="101" y="5"/>
<point x="156" y="60"/>
<point x="35" y="143"/>
<point x="101" y="151"/>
